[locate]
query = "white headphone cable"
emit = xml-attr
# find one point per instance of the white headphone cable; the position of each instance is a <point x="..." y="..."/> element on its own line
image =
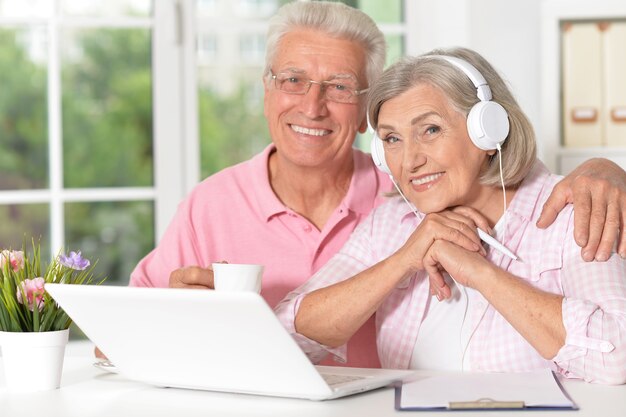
<point x="503" y="192"/>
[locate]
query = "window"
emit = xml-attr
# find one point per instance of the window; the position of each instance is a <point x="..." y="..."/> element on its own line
<point x="78" y="148"/>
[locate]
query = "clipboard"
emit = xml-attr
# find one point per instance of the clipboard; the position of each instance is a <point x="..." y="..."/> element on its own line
<point x="465" y="391"/>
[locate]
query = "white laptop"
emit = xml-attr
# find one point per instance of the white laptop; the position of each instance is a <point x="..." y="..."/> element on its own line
<point x="206" y="340"/>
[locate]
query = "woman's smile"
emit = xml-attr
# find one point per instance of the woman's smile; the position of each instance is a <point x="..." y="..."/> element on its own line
<point x="425" y="182"/>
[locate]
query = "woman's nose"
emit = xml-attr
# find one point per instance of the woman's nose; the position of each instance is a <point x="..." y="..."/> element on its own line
<point x="413" y="157"/>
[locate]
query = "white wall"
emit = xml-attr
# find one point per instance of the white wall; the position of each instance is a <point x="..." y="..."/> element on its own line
<point x="506" y="32"/>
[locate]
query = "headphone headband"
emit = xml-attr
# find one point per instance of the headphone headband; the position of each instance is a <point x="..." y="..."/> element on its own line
<point x="482" y="88"/>
<point x="487" y="121"/>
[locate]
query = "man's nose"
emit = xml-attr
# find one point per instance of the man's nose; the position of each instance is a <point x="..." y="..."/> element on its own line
<point x="314" y="101"/>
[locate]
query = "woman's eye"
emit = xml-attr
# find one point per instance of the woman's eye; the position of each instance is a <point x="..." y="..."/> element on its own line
<point x="432" y="130"/>
<point x="391" y="139"/>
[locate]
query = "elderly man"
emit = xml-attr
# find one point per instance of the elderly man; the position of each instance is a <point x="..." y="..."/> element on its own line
<point x="293" y="206"/>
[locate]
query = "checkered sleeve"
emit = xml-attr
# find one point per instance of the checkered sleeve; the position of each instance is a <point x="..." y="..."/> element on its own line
<point x="594" y="317"/>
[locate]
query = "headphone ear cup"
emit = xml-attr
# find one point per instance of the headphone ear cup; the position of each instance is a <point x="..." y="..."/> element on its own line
<point x="487" y="125"/>
<point x="378" y="154"/>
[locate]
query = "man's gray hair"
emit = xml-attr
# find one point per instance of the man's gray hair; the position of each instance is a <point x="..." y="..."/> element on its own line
<point x="335" y="19"/>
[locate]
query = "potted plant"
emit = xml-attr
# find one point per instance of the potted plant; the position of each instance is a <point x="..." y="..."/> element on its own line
<point x="33" y="328"/>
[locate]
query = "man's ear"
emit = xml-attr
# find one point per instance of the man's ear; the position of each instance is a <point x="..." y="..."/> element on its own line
<point x="265" y="96"/>
<point x="363" y="126"/>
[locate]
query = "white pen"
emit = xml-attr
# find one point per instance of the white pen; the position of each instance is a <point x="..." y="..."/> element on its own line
<point x="491" y="241"/>
<point x="483" y="236"/>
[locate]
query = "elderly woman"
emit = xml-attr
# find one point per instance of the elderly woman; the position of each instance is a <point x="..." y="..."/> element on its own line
<point x="481" y="310"/>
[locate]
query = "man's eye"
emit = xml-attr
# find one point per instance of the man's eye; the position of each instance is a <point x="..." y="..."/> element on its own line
<point x="342" y="86"/>
<point x="292" y="80"/>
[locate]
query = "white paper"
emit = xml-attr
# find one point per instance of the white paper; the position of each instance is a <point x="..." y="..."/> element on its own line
<point x="535" y="389"/>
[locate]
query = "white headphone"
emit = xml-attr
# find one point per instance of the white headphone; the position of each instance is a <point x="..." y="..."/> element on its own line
<point x="487" y="121"/>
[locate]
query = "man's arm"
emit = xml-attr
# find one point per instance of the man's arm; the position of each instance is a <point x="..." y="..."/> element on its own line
<point x="597" y="188"/>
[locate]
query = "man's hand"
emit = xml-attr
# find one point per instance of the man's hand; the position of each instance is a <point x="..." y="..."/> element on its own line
<point x="598" y="190"/>
<point x="192" y="277"/>
<point x="98" y="353"/>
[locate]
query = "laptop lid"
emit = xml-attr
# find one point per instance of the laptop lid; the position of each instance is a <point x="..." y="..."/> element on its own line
<point x="210" y="340"/>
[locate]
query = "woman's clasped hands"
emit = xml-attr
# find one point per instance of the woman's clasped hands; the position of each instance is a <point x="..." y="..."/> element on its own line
<point x="447" y="242"/>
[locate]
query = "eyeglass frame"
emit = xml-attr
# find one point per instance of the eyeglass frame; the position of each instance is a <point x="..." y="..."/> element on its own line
<point x="322" y="84"/>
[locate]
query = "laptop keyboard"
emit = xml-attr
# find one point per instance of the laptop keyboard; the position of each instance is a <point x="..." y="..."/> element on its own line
<point x="335" y="379"/>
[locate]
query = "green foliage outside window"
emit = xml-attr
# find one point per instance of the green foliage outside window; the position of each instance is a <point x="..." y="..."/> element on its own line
<point x="232" y="128"/>
<point x="106" y="139"/>
<point x="23" y="117"/>
<point x="107" y="109"/>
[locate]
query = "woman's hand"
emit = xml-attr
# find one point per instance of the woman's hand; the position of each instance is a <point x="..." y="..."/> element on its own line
<point x="457" y="225"/>
<point x="465" y="267"/>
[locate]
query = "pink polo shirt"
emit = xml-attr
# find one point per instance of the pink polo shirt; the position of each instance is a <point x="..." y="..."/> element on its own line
<point x="235" y="216"/>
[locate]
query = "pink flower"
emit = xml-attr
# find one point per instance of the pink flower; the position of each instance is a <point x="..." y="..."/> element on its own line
<point x="15" y="258"/>
<point x="34" y="291"/>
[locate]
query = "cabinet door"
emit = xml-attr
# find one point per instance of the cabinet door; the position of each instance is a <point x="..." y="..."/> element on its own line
<point x="615" y="76"/>
<point x="582" y="85"/>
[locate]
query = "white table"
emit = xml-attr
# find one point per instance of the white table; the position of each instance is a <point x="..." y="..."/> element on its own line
<point x="89" y="392"/>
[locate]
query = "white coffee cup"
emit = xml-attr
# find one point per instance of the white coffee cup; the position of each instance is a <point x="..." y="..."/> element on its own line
<point x="237" y="277"/>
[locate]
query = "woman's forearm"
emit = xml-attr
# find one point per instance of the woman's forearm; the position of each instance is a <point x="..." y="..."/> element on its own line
<point x="535" y="314"/>
<point x="331" y="315"/>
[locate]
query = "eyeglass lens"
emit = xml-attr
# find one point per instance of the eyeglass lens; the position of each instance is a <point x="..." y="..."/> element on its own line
<point x="341" y="90"/>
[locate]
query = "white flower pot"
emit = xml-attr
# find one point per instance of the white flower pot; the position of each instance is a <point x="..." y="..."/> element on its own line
<point x="33" y="361"/>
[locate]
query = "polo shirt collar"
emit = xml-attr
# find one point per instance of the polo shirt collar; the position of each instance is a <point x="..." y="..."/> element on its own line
<point x="364" y="185"/>
<point x="268" y="203"/>
<point x="360" y="198"/>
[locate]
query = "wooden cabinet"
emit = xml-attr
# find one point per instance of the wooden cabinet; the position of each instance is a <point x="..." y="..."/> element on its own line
<point x="583" y="82"/>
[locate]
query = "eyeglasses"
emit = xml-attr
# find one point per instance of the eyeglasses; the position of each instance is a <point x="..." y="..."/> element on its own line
<point x="340" y="90"/>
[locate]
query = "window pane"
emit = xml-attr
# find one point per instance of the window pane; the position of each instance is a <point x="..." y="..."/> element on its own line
<point x="117" y="234"/>
<point x="255" y="8"/>
<point x="252" y="48"/>
<point x="106" y="8"/>
<point x="244" y="9"/>
<point x="107" y="108"/>
<point x="388" y="11"/>
<point x="26" y="8"/>
<point x="23" y="222"/>
<point x="23" y="109"/>
<point x="232" y="126"/>
<point x="395" y="48"/>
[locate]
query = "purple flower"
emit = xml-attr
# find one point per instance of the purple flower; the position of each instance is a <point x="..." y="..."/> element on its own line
<point x="74" y="261"/>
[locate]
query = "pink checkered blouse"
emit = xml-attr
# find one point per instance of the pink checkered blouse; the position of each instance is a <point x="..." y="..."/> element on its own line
<point x="594" y="304"/>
